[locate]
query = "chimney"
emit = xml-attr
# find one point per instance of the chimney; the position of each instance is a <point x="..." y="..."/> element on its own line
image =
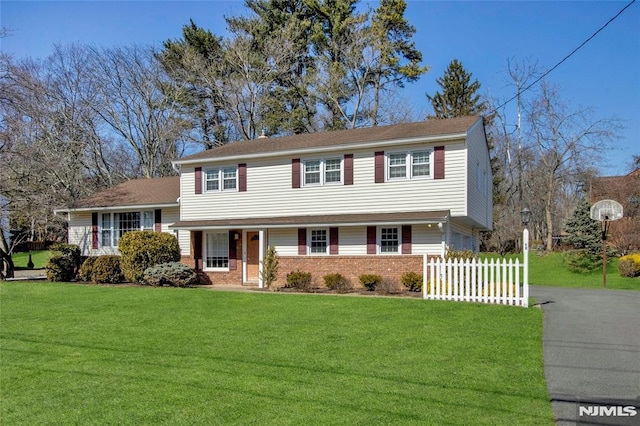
<point x="263" y="134"/>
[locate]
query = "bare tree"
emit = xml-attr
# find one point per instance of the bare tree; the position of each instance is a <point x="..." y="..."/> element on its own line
<point x="564" y="143"/>
<point x="138" y="114"/>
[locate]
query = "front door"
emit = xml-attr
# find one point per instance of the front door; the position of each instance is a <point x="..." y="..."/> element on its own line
<point x="253" y="256"/>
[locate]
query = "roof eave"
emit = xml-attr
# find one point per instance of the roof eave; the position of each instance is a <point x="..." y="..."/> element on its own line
<point x="112" y="208"/>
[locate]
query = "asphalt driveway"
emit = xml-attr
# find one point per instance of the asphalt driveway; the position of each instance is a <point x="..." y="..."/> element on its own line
<point x="591" y="353"/>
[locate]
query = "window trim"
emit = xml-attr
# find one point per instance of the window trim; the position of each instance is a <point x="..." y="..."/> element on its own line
<point x="220" y="172"/>
<point x="113" y="228"/>
<point x="323" y="171"/>
<point x="398" y="229"/>
<point x="327" y="241"/>
<point x="408" y="163"/>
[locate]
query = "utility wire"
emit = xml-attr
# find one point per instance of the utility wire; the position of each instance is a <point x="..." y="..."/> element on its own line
<point x="563" y="59"/>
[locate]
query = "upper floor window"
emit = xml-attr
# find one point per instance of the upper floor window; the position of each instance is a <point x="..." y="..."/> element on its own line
<point x="223" y="179"/>
<point x="409" y="165"/>
<point x="322" y="172"/>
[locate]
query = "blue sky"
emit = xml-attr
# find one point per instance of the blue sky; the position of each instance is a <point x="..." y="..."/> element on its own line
<point x="483" y="35"/>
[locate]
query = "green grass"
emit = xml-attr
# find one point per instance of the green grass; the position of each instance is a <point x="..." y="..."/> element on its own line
<point x="83" y="354"/>
<point x="39" y="259"/>
<point x="547" y="269"/>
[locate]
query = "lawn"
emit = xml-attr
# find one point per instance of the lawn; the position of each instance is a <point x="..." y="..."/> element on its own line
<point x="547" y="269"/>
<point x="39" y="259"/>
<point x="90" y="354"/>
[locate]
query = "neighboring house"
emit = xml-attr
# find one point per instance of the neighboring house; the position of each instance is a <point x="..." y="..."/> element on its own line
<point x="371" y="200"/>
<point x="96" y="223"/>
<point x="624" y="233"/>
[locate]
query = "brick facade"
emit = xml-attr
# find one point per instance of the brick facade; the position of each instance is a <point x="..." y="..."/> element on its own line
<point x="351" y="267"/>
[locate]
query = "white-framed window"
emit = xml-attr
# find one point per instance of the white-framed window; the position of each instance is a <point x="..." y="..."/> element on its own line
<point x="312" y="172"/>
<point x="106" y="230"/>
<point x="322" y="171"/>
<point x="389" y="241"/>
<point x="217" y="250"/>
<point x="420" y="164"/>
<point x="114" y="225"/>
<point x="333" y="170"/>
<point x="223" y="179"/>
<point x="409" y="165"/>
<point x="318" y="241"/>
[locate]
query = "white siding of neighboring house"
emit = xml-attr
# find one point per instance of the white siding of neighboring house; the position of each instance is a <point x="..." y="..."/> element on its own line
<point x="480" y="181"/>
<point x="80" y="231"/>
<point x="269" y="192"/>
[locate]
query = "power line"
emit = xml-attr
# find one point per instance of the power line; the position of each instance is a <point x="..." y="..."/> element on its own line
<point x="563" y="59"/>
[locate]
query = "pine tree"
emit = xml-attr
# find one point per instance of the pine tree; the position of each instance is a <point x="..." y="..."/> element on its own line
<point x="584" y="232"/>
<point x="458" y="97"/>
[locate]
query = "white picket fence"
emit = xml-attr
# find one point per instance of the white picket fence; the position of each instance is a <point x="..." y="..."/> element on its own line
<point x="496" y="281"/>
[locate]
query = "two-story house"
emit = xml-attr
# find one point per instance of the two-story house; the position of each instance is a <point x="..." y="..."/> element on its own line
<point x="370" y="200"/>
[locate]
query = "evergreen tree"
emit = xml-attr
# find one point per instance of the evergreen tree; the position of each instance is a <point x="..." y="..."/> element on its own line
<point x="584" y="232"/>
<point x="459" y="95"/>
<point x="399" y="59"/>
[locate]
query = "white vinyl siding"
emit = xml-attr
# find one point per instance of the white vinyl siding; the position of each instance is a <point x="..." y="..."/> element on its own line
<point x="479" y="179"/>
<point x="353" y="240"/>
<point x="271" y="194"/>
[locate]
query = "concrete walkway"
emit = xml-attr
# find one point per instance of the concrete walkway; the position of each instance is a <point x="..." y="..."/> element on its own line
<point x="591" y="352"/>
<point x="29" y="274"/>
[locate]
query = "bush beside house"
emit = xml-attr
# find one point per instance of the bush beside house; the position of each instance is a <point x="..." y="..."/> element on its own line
<point x="143" y="249"/>
<point x="64" y="263"/>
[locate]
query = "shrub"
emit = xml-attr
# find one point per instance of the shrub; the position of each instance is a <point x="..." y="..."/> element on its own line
<point x="143" y="249"/>
<point x="337" y="282"/>
<point x="60" y="268"/>
<point x="581" y="261"/>
<point x="370" y="281"/>
<point x="270" y="267"/>
<point x="460" y="254"/>
<point x="174" y="274"/>
<point x="64" y="263"/>
<point x="629" y="265"/>
<point x="412" y="281"/>
<point x="86" y="270"/>
<point x="299" y="280"/>
<point x="388" y="286"/>
<point x="106" y="270"/>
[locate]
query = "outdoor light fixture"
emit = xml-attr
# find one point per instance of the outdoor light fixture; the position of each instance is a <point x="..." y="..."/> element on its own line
<point x="525" y="215"/>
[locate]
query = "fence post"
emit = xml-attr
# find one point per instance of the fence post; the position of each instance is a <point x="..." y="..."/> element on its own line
<point x="424" y="276"/>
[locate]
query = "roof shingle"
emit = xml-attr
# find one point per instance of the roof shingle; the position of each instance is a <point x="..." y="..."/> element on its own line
<point x="431" y="127"/>
<point x="137" y="192"/>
